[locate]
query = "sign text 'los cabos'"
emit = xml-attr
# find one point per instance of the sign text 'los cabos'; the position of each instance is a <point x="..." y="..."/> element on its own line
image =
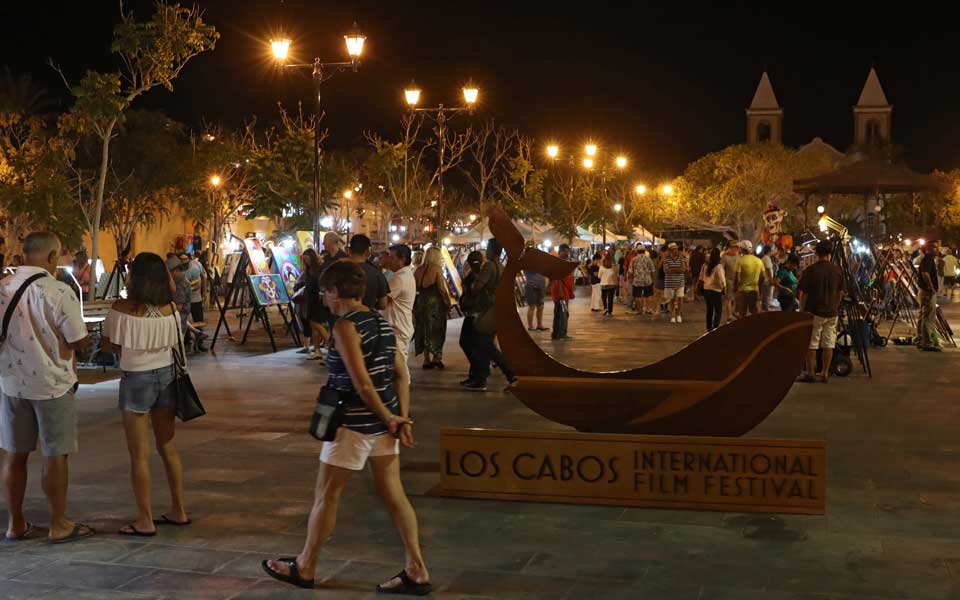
<point x="787" y="476"/>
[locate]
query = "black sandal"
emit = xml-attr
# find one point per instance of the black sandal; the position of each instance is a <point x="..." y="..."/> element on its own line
<point x="407" y="587"/>
<point x="165" y="520"/>
<point x="76" y="534"/>
<point x="293" y="578"/>
<point x="136" y="532"/>
<point x="19" y="538"/>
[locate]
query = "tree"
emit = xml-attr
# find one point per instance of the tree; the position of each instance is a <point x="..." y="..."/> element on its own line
<point x="489" y="155"/>
<point x="573" y="194"/>
<point x="152" y="54"/>
<point x="523" y="187"/>
<point x="730" y="189"/>
<point x="146" y="175"/>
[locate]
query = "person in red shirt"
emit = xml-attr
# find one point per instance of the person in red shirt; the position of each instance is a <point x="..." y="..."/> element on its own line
<point x="562" y="292"/>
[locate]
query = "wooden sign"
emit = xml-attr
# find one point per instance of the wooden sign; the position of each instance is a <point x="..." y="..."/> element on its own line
<point x="705" y="473"/>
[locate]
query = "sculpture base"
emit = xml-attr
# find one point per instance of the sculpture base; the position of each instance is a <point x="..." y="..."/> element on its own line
<point x="700" y="473"/>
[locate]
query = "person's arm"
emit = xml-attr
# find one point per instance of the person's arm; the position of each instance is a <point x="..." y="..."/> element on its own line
<point x="69" y="322"/>
<point x="925" y="273"/>
<point x="736" y="276"/>
<point x="347" y="342"/>
<point x="402" y="388"/>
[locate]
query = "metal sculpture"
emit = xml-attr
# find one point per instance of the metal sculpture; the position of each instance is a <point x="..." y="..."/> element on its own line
<point x="723" y="384"/>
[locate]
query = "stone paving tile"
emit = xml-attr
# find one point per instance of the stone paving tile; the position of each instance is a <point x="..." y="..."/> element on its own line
<point x="11" y="565"/>
<point x="274" y="590"/>
<point x="100" y="548"/>
<point x="162" y="556"/>
<point x="508" y="586"/>
<point x="249" y="565"/>
<point x="16" y="590"/>
<point x="77" y="594"/>
<point x="78" y="574"/>
<point x="187" y="586"/>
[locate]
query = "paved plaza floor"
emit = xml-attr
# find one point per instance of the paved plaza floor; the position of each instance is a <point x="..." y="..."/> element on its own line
<point x="892" y="528"/>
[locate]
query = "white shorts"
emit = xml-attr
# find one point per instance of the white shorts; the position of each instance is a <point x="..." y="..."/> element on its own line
<point x="671" y="293"/>
<point x="350" y="449"/>
<point x="824" y="333"/>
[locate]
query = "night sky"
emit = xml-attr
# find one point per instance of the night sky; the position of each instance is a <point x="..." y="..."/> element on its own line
<point x="664" y="83"/>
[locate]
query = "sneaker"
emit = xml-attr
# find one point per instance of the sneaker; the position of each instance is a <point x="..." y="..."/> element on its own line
<point x="673" y="319"/>
<point x="303" y="351"/>
<point x="466" y="381"/>
<point x="679" y="319"/>
<point x="566" y="338"/>
<point x="475" y="386"/>
<point x="427" y="366"/>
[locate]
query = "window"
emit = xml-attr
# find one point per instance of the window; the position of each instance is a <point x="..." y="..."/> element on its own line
<point x="872" y="134"/>
<point x="764" y="132"/>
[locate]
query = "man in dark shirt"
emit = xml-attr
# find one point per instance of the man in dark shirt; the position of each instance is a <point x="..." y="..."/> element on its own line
<point x="820" y="290"/>
<point x="927" y="328"/>
<point x="377" y="290"/>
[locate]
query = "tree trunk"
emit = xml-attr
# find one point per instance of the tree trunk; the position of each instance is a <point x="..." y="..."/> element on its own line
<point x="98" y="210"/>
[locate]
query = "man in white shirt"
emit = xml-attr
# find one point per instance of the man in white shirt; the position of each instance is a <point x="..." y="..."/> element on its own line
<point x="403" y="293"/>
<point x="37" y="381"/>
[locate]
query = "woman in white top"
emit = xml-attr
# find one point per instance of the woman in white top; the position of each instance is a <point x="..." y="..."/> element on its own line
<point x="145" y="329"/>
<point x="714" y="286"/>
<point x="609" y="276"/>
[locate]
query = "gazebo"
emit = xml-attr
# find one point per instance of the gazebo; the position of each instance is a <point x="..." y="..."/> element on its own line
<point x="870" y="178"/>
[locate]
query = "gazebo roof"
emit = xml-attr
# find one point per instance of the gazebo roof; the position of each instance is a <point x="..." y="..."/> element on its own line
<point x="868" y="177"/>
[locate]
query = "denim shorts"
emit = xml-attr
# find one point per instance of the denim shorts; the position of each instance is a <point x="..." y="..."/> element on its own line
<point x="143" y="391"/>
<point x="53" y="422"/>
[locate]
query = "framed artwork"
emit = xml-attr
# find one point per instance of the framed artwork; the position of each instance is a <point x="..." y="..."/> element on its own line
<point x="453" y="277"/>
<point x="230" y="264"/>
<point x="287" y="264"/>
<point x="258" y="260"/>
<point x="305" y="238"/>
<point x="268" y="290"/>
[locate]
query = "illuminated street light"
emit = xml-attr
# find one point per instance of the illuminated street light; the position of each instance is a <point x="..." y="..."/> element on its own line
<point x="588" y="163"/>
<point x="215" y="180"/>
<point x="473" y="218"/>
<point x="617" y="207"/>
<point x="590" y="149"/>
<point x="348" y="194"/>
<point x="470" y="93"/>
<point x="412" y="94"/>
<point x="820" y="209"/>
<point x="355" y="40"/>
<point x="621" y="162"/>
<point x="640" y="189"/>
<point x="280" y="48"/>
<point x="553" y="150"/>
<point x="667" y="189"/>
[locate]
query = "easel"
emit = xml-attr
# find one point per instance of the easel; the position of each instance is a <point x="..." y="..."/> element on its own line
<point x="236" y="297"/>
<point x="121" y="281"/>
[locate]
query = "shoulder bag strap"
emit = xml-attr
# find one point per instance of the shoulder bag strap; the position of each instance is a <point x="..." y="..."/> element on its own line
<point x="179" y="355"/>
<point x="15" y="301"/>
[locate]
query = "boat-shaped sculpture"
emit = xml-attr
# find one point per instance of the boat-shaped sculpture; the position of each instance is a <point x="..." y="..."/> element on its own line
<point x="723" y="384"/>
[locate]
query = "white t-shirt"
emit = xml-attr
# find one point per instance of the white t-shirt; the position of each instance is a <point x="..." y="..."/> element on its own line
<point x="399" y="310"/>
<point x="36" y="361"/>
<point x="715" y="281"/>
<point x="950" y="266"/>
<point x="608" y="276"/>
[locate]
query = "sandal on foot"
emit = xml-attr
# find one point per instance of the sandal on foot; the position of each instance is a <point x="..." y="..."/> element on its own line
<point x="165" y="520"/>
<point x="76" y="534"/>
<point x="131" y="529"/>
<point x="407" y="587"/>
<point x="19" y="538"/>
<point x="293" y="578"/>
<point x="806" y="379"/>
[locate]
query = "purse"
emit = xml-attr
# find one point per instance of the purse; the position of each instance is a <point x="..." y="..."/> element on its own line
<point x="327" y="415"/>
<point x="186" y="400"/>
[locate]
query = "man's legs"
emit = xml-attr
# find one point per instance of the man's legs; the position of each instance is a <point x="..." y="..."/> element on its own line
<point x="14" y="489"/>
<point x="540" y="316"/>
<point x="467" y="344"/>
<point x="56" y="475"/>
<point x="559" y="327"/>
<point x="531" y="310"/>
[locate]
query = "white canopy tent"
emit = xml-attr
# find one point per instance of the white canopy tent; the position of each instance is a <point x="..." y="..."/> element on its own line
<point x="480" y="231"/>
<point x="642" y="234"/>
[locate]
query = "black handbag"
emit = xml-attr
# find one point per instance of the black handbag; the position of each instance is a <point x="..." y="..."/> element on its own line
<point x="187" y="402"/>
<point x="327" y="415"/>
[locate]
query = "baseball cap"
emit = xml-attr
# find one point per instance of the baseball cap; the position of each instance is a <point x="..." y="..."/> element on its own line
<point x="746" y="245"/>
<point x="671" y="246"/>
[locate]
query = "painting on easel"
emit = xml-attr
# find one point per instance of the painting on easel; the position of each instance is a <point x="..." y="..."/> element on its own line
<point x="453" y="277"/>
<point x="269" y="290"/>
<point x="258" y="260"/>
<point x="287" y="265"/>
<point x="305" y="239"/>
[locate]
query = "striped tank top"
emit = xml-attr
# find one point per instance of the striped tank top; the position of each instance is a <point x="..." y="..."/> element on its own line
<point x="379" y="345"/>
<point x="673" y="280"/>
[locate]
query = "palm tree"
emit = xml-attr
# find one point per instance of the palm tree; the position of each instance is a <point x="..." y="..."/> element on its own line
<point x="20" y="95"/>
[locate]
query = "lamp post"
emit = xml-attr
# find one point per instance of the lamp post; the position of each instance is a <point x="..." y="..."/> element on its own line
<point x="321" y="72"/>
<point x="439" y="114"/>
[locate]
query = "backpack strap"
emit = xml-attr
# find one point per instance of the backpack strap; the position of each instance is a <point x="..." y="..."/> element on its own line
<point x="15" y="301"/>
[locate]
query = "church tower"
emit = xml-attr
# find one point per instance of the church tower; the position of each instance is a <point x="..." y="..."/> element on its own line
<point x="871" y="115"/>
<point x="764" y="117"/>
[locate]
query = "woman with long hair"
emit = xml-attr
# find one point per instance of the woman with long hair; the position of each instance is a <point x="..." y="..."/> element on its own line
<point x="313" y="315"/>
<point x="145" y="330"/>
<point x="714" y="281"/>
<point x="370" y="378"/>
<point x="609" y="276"/>
<point x="431" y="309"/>
<point x="596" y="298"/>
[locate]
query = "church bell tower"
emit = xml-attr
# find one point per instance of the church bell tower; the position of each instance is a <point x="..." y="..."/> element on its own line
<point x="764" y="117"/>
<point x="872" y="114"/>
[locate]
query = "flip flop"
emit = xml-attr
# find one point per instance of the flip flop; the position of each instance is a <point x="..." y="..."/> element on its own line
<point x="407" y="587"/>
<point x="136" y="532"/>
<point x="74" y="535"/>
<point x="19" y="538"/>
<point x="293" y="578"/>
<point x="165" y="520"/>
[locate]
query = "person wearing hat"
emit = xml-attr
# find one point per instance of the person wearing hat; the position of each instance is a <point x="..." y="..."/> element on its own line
<point x="675" y="278"/>
<point x="747" y="278"/>
<point x="731" y="254"/>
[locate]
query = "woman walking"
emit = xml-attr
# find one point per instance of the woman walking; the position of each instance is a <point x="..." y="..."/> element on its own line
<point x="596" y="299"/>
<point x="714" y="282"/>
<point x="315" y="316"/>
<point x="145" y="330"/>
<point x="431" y="309"/>
<point x="369" y="375"/>
<point x="609" y="276"/>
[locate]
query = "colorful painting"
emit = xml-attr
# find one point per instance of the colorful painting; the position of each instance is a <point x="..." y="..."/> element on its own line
<point x="286" y="262"/>
<point x="258" y="260"/>
<point x="305" y="238"/>
<point x="269" y="289"/>
<point x="453" y="277"/>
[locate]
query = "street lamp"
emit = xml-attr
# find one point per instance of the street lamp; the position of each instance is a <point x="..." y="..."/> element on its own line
<point x="621" y="162"/>
<point x="439" y="114"/>
<point x="321" y="72"/>
<point x="590" y="149"/>
<point x="215" y="180"/>
<point x="553" y="150"/>
<point x="640" y="189"/>
<point x="667" y="189"/>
